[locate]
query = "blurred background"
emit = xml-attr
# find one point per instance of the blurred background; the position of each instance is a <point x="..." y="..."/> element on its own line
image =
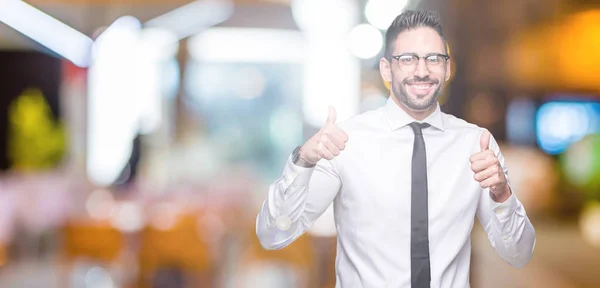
<point x="138" y="138"/>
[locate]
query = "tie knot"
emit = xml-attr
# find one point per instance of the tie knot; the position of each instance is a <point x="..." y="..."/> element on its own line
<point x="417" y="127"/>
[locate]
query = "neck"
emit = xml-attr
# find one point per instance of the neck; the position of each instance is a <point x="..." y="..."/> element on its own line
<point x="418" y="115"/>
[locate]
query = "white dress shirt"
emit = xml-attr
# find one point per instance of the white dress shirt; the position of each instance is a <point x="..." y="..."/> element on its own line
<point x="370" y="186"/>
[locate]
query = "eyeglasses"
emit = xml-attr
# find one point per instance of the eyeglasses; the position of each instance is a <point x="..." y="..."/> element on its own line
<point x="408" y="62"/>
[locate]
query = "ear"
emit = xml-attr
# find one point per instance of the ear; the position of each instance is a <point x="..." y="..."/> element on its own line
<point x="384" y="69"/>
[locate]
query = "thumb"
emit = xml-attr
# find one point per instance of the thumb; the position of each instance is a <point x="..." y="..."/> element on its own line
<point x="484" y="142"/>
<point x="332" y="115"/>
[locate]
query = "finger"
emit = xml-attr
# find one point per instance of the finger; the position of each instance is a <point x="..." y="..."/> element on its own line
<point x="328" y="143"/>
<point x="482" y="156"/>
<point x="324" y="152"/>
<point x="320" y="147"/>
<point x="335" y="139"/>
<point x="490" y="182"/>
<point x="338" y="133"/>
<point x="484" y="141"/>
<point x="332" y="115"/>
<point x="487" y="173"/>
<point x="484" y="164"/>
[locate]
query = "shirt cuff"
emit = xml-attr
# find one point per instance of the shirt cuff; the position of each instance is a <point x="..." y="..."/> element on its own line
<point x="506" y="207"/>
<point x="298" y="175"/>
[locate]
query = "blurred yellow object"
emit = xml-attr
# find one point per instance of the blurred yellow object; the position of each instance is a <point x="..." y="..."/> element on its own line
<point x="181" y="245"/>
<point x="3" y="256"/>
<point x="387" y="85"/>
<point x="560" y="55"/>
<point x="91" y="241"/>
<point x="35" y="140"/>
<point x="94" y="240"/>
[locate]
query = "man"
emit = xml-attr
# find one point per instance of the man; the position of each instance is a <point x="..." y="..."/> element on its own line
<point x="406" y="180"/>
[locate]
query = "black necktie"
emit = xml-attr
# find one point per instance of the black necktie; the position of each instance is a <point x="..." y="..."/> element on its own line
<point x="419" y="244"/>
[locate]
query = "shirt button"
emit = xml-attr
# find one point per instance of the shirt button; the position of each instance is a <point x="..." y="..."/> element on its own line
<point x="505" y="238"/>
<point x="283" y="223"/>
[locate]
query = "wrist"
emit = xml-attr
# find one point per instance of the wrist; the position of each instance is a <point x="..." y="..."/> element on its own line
<point x="299" y="160"/>
<point x="503" y="195"/>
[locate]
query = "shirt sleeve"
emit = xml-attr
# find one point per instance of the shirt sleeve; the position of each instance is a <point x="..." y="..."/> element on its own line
<point x="295" y="201"/>
<point x="506" y="224"/>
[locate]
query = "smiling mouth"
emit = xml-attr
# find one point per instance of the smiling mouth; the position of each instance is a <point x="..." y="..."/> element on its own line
<point x="420" y="89"/>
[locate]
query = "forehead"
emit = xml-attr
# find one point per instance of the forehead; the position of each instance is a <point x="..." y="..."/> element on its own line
<point x="421" y="40"/>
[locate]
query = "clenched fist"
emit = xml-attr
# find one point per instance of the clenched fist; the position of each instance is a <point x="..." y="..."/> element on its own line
<point x="327" y="143"/>
<point x="488" y="171"/>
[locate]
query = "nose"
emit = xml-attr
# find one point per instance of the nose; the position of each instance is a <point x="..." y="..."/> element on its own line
<point x="421" y="69"/>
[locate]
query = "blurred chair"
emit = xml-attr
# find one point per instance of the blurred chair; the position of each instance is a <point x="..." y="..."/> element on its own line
<point x="91" y="241"/>
<point x="292" y="266"/>
<point x="172" y="256"/>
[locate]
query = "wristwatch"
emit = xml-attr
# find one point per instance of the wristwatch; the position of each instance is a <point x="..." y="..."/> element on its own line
<point x="298" y="161"/>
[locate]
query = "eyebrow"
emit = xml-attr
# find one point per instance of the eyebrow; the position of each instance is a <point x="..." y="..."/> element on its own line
<point x="413" y="53"/>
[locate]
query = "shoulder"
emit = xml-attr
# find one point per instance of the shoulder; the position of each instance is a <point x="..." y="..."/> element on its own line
<point x="365" y="121"/>
<point x="470" y="132"/>
<point x="459" y="125"/>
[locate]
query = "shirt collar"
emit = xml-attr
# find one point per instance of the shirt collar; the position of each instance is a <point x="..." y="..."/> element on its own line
<point x="397" y="118"/>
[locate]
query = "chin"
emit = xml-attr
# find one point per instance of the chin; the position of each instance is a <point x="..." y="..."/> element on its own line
<point x="421" y="103"/>
<point x="422" y="97"/>
<point x="420" y="107"/>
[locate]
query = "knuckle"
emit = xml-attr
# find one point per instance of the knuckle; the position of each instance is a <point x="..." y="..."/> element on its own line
<point x="494" y="179"/>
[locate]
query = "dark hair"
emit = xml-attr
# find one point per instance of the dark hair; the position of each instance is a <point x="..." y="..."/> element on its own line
<point x="408" y="20"/>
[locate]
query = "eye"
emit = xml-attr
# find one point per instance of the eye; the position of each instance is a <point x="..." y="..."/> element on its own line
<point x="434" y="59"/>
<point x="406" y="59"/>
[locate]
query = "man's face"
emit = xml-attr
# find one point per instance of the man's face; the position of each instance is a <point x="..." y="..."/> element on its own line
<point x="417" y="83"/>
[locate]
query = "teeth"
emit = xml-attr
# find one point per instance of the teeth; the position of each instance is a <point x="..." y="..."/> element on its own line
<point x="421" y="86"/>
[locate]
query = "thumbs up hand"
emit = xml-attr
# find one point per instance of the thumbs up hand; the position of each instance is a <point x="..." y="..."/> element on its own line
<point x="327" y="143"/>
<point x="488" y="171"/>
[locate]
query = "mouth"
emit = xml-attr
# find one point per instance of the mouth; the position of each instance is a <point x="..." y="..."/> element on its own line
<point x="421" y="89"/>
